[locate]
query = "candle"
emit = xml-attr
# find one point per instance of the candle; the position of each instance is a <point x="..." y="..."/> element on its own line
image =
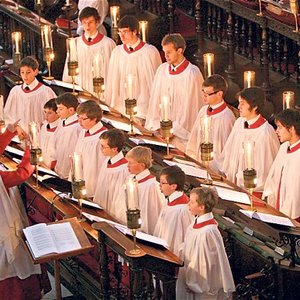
<point x="206" y="130"/>
<point x="33" y="130"/>
<point x="16" y="37"/>
<point x="131" y="187"/>
<point x="208" y="64"/>
<point x="1" y="107"/>
<point x="72" y="49"/>
<point x="46" y="32"/>
<point x="288" y="98"/>
<point x="165" y="107"/>
<point x="249" y="79"/>
<point x="97" y="64"/>
<point x="114" y="14"/>
<point x="143" y="30"/>
<point x="130" y="86"/>
<point x="38" y="2"/>
<point x="76" y="166"/>
<point x="248" y="154"/>
<point x="67" y="2"/>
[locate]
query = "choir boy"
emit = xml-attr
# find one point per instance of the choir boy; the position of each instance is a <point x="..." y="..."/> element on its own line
<point x="251" y="126"/>
<point x="26" y="101"/>
<point x="19" y="277"/>
<point x="151" y="200"/>
<point x="90" y="44"/>
<point x="65" y="138"/>
<point x="281" y="186"/>
<point x="206" y="273"/>
<point x="175" y="217"/>
<point x="133" y="58"/>
<point x="181" y="81"/>
<point x="48" y="130"/>
<point x="222" y="119"/>
<point x="110" y="186"/>
<point x="88" y="144"/>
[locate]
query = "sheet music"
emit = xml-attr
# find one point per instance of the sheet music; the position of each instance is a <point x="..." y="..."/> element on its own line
<point x="150" y="142"/>
<point x="14" y="151"/>
<point x="121" y="126"/>
<point x="94" y="218"/>
<point x="63" y="84"/>
<point x="232" y="195"/>
<point x="268" y="218"/>
<point x="188" y="170"/>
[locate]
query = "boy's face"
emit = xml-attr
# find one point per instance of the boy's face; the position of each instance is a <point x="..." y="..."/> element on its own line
<point x="284" y="134"/>
<point x="135" y="167"/>
<point x="50" y="115"/>
<point x="64" y="112"/>
<point x="210" y="96"/>
<point x="194" y="208"/>
<point x="89" y="25"/>
<point x="85" y="122"/>
<point x="127" y="36"/>
<point x="28" y="74"/>
<point x="106" y="149"/>
<point x="245" y="110"/>
<point x="171" y="54"/>
<point x="166" y="188"/>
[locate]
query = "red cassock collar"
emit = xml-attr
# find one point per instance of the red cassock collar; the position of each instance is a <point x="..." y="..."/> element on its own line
<point x="205" y="223"/>
<point x="94" y="41"/>
<point x="30" y="91"/>
<point x="183" y="199"/>
<point x="180" y="69"/>
<point x="120" y="162"/>
<point x="217" y="110"/>
<point x="138" y="47"/>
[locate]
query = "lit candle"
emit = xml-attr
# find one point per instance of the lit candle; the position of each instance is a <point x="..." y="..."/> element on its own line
<point x="72" y="50"/>
<point x="114" y="14"/>
<point x="208" y="63"/>
<point x="248" y="154"/>
<point x="1" y="107"/>
<point x="129" y="86"/>
<point x="38" y="2"/>
<point x="76" y="166"/>
<point x="97" y="63"/>
<point x="206" y="130"/>
<point x="249" y="79"/>
<point x="46" y="32"/>
<point x="67" y="2"/>
<point x="288" y="99"/>
<point x="17" y="39"/>
<point x="143" y="30"/>
<point x="33" y="129"/>
<point x="165" y="107"/>
<point x="131" y="193"/>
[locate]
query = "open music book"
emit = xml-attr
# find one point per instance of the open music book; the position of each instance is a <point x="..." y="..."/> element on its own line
<point x="149" y="142"/>
<point x="268" y="218"/>
<point x="44" y="239"/>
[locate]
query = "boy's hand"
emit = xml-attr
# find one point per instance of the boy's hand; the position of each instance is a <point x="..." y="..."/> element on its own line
<point x="13" y="127"/>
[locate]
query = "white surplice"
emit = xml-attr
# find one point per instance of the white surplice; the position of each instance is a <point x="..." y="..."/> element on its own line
<point x="101" y="45"/>
<point x="283" y="181"/>
<point x="100" y="5"/>
<point x="28" y="106"/>
<point x="206" y="271"/>
<point x="184" y="88"/>
<point x="222" y="120"/>
<point x="151" y="200"/>
<point x="265" y="150"/>
<point x="142" y="63"/>
<point x="64" y="142"/>
<point x="109" y="192"/>
<point x="15" y="259"/>
<point x="88" y="145"/>
<point x="173" y="221"/>
<point x="47" y="139"/>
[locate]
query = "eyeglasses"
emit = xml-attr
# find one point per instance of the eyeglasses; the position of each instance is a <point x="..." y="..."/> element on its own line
<point x="209" y="94"/>
<point x="123" y="32"/>
<point x="82" y="119"/>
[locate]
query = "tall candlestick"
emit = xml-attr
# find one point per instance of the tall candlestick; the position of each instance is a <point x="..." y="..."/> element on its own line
<point x="208" y="59"/>
<point x="33" y="132"/>
<point x="114" y="15"/>
<point x="165" y="107"/>
<point x="248" y="154"/>
<point x="288" y="99"/>
<point x="249" y="79"/>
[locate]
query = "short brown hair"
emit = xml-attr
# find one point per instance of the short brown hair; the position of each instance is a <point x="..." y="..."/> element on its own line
<point x="89" y="12"/>
<point x="51" y="104"/>
<point x="68" y="100"/>
<point x="91" y="109"/>
<point x="289" y="118"/>
<point x="141" y="155"/>
<point x="255" y="97"/>
<point x="115" y="138"/>
<point x="176" y="39"/>
<point x="207" y="197"/>
<point x="217" y="82"/>
<point x="130" y="22"/>
<point x="29" y="61"/>
<point x="174" y="175"/>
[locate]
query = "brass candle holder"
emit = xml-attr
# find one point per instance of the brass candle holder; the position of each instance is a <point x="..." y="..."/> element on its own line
<point x="133" y="223"/>
<point x="79" y="193"/>
<point x="98" y="87"/>
<point x="166" y="132"/>
<point x="250" y="183"/>
<point x="131" y="110"/>
<point x="48" y="57"/>
<point x="73" y="72"/>
<point x="207" y="155"/>
<point x="295" y="9"/>
<point x="35" y="159"/>
<point x="260" y="14"/>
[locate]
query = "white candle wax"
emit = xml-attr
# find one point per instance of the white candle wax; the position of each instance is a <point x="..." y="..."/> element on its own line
<point x="46" y="36"/>
<point x="38" y="2"/>
<point x="17" y="39"/>
<point x="249" y="79"/>
<point x="165" y="107"/>
<point x="76" y="166"/>
<point x="34" y="135"/>
<point x="130" y="86"/>
<point x="72" y="49"/>
<point x="206" y="130"/>
<point x="248" y="155"/>
<point x="131" y="192"/>
<point x="114" y="17"/>
<point x="209" y="63"/>
<point x="67" y="2"/>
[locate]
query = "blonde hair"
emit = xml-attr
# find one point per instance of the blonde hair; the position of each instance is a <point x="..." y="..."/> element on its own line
<point x="141" y="155"/>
